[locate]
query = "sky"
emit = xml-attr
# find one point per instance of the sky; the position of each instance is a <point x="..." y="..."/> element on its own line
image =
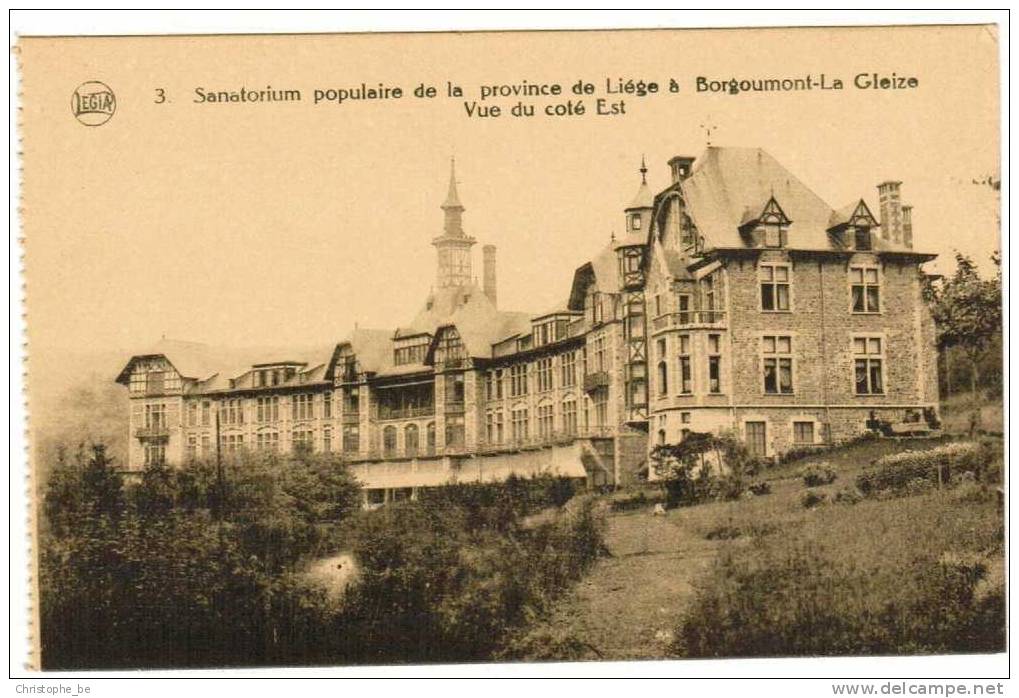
<point x="286" y="224"/>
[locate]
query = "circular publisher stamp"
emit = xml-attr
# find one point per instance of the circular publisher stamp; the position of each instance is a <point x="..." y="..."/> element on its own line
<point x="93" y="103"/>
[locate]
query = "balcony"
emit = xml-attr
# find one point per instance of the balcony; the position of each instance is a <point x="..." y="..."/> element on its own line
<point x="689" y="319"/>
<point x="159" y="431"/>
<point x="454" y="407"/>
<point x="593" y="381"/>
<point x="381" y="412"/>
<point x="452" y="362"/>
<point x="558" y="438"/>
<point x="351" y="417"/>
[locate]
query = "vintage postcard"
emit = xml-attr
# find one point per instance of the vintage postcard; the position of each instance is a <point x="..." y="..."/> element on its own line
<point x="439" y="348"/>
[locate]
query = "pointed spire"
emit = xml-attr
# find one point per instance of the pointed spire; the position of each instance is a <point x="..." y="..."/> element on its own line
<point x="452" y="198"/>
<point x="644" y="197"/>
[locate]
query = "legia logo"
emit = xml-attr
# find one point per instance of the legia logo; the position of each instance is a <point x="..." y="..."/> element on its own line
<point x="93" y="103"/>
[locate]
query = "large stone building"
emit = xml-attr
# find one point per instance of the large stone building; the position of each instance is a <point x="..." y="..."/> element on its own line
<point x="736" y="300"/>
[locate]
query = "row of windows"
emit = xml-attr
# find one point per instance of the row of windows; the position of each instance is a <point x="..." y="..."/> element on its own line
<point x="776" y="282"/>
<point x="756" y="434"/>
<point x="412" y="354"/>
<point x="154" y="382"/>
<point x="267" y="410"/>
<point x="545" y="376"/>
<point x="776" y="365"/>
<point x="685" y="373"/>
<point x="545" y="419"/>
<point x="264" y="441"/>
<point x="412" y="445"/>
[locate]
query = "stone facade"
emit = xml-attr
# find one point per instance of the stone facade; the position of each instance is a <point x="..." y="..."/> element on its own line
<point x="782" y="314"/>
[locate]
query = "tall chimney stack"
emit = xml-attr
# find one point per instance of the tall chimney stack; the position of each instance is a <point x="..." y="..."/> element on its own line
<point x="488" y="277"/>
<point x="891" y="211"/>
<point x="680" y="167"/>
<point x="907" y="226"/>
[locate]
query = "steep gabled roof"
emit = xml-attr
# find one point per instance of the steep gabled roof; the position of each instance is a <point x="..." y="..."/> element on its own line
<point x="729" y="184"/>
<point x="602" y="270"/>
<point x="726" y="190"/>
<point x="373" y="349"/>
<point x="854" y="213"/>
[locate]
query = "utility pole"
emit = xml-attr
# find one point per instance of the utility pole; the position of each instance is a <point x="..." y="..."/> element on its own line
<point x="219" y="475"/>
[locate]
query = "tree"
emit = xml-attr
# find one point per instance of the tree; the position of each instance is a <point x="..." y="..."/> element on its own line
<point x="704" y="466"/>
<point x="967" y="310"/>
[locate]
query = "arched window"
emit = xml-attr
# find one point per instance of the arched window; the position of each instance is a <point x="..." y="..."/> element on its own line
<point x="430" y="437"/>
<point x="663" y="378"/>
<point x="410" y="440"/>
<point x="389" y="441"/>
<point x="661" y="437"/>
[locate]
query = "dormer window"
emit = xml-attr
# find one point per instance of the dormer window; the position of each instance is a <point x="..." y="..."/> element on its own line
<point x="861" y="237"/>
<point x="769" y="226"/>
<point x="850" y="227"/>
<point x="411" y="350"/>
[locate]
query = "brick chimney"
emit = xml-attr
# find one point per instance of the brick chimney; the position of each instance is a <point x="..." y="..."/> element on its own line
<point x="891" y="211"/>
<point x="680" y="167"/>
<point x="488" y="271"/>
<point x="907" y="226"/>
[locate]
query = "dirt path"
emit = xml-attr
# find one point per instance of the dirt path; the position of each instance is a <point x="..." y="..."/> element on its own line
<point x="629" y="603"/>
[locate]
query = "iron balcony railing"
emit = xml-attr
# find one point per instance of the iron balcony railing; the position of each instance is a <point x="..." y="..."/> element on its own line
<point x="152" y="432"/>
<point x="383" y="412"/>
<point x="558" y="438"/>
<point x="598" y="379"/>
<point x="689" y="318"/>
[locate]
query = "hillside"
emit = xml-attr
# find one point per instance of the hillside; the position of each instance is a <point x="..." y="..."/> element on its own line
<point x="701" y="569"/>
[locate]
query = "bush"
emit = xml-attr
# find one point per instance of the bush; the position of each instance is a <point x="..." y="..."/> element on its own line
<point x="900" y="472"/>
<point x="434" y="589"/>
<point x="848" y="495"/>
<point x="812" y="499"/>
<point x="704" y="467"/>
<point x="761" y="488"/>
<point x="818" y="474"/>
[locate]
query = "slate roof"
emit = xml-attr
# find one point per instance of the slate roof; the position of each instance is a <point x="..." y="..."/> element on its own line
<point x="602" y="270"/>
<point x="643" y="199"/>
<point x="728" y="185"/>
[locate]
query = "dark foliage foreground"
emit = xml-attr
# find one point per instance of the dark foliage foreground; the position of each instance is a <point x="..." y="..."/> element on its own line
<point x="186" y="568"/>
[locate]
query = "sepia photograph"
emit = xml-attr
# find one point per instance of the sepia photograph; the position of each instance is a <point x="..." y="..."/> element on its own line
<point x="503" y="347"/>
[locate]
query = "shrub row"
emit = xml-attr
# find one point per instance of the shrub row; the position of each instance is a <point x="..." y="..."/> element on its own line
<point x="200" y="567"/>
<point x="909" y="469"/>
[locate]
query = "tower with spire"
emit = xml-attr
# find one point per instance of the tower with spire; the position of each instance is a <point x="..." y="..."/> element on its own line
<point x="638" y="213"/>
<point x="630" y="249"/>
<point x="453" y="246"/>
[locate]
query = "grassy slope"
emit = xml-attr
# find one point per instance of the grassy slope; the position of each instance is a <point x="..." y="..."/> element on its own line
<point x="629" y="604"/>
<point x="956" y="411"/>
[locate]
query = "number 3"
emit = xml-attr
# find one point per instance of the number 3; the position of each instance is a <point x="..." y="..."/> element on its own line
<point x="160" y="95"/>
